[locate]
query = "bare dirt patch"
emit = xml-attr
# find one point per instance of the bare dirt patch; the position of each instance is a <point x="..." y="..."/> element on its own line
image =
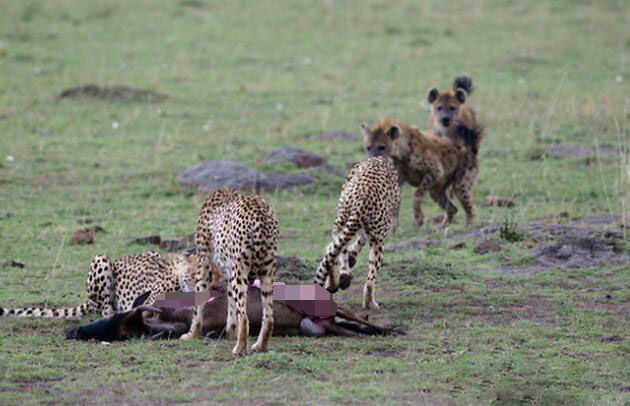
<point x="587" y="242"/>
<point x="111" y="93"/>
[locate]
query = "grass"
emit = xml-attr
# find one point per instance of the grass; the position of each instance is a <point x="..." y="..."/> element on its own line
<point x="245" y="77"/>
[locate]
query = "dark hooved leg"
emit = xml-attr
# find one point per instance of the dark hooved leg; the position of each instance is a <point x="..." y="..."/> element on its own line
<point x="266" y="294"/>
<point x="375" y="263"/>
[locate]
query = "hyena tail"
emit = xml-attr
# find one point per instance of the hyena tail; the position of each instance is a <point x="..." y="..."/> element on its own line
<point x="65" y="313"/>
<point x="463" y="82"/>
<point x="471" y="136"/>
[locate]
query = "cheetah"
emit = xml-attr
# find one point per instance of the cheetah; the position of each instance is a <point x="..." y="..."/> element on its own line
<point x="427" y="161"/>
<point x="369" y="198"/>
<point x="452" y="117"/>
<point x="237" y="235"/>
<point x="113" y="286"/>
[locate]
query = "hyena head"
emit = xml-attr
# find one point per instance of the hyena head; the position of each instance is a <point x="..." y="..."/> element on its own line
<point x="445" y="107"/>
<point x="378" y="141"/>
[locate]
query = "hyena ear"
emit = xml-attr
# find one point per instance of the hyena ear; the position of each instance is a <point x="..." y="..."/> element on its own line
<point x="460" y="95"/>
<point x="365" y="128"/>
<point x="432" y="95"/>
<point x="393" y="132"/>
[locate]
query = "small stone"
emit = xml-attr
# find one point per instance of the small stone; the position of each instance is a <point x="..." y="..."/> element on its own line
<point x="150" y="239"/>
<point x="83" y="236"/>
<point x="564" y="252"/>
<point x="300" y="158"/>
<point x="499" y="201"/>
<point x="486" y="247"/>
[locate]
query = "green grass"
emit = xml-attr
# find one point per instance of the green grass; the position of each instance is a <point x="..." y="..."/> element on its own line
<point x="245" y="77"/>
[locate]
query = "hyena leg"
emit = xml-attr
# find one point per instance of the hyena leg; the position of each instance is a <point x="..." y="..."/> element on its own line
<point x="266" y="294"/>
<point x="462" y="191"/>
<point x="100" y="285"/>
<point x="376" y="260"/>
<point x="348" y="258"/>
<point x="201" y="284"/>
<point x="425" y="184"/>
<point x="239" y="293"/>
<point x="439" y="196"/>
<point x="328" y="267"/>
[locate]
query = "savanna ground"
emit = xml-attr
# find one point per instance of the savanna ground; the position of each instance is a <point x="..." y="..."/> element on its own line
<point x="245" y="77"/>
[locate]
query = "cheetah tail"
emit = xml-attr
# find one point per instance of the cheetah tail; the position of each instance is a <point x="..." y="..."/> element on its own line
<point x="64" y="313"/>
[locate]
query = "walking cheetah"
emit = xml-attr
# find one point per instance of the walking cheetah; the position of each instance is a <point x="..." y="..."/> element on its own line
<point x="369" y="198"/>
<point x="239" y="234"/>
<point x="452" y="117"/>
<point x="113" y="286"/>
<point x="429" y="162"/>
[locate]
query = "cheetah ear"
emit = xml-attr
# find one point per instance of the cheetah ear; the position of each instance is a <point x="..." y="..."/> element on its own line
<point x="460" y="95"/>
<point x="432" y="95"/>
<point x="365" y="128"/>
<point x="141" y="299"/>
<point x="393" y="132"/>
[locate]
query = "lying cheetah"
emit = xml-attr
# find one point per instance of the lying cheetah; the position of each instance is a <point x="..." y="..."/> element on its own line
<point x="238" y="233"/>
<point x="452" y="117"/>
<point x="113" y="286"/>
<point x="427" y="161"/>
<point x="369" y="198"/>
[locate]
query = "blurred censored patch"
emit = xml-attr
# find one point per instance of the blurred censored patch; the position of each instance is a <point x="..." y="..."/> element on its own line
<point x="312" y="300"/>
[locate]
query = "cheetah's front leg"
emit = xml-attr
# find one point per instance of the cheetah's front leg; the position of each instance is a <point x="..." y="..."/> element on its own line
<point x="202" y="274"/>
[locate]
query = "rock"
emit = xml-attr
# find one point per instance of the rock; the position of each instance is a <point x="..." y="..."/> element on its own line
<point x="178" y="244"/>
<point x="499" y="201"/>
<point x="83" y="236"/>
<point x="458" y="246"/>
<point x="486" y="247"/>
<point x="150" y="239"/>
<point x="564" y="252"/>
<point x="208" y="176"/>
<point x="301" y="158"/>
<point x="411" y="243"/>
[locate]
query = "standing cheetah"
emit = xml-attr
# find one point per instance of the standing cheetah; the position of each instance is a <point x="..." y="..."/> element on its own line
<point x="239" y="234"/>
<point x="113" y="286"/>
<point x="368" y="201"/>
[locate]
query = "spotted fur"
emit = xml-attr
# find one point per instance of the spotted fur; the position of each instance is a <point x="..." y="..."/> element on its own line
<point x="454" y="118"/>
<point x="423" y="159"/>
<point x="237" y="237"/>
<point x="113" y="286"/>
<point x="369" y="198"/>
